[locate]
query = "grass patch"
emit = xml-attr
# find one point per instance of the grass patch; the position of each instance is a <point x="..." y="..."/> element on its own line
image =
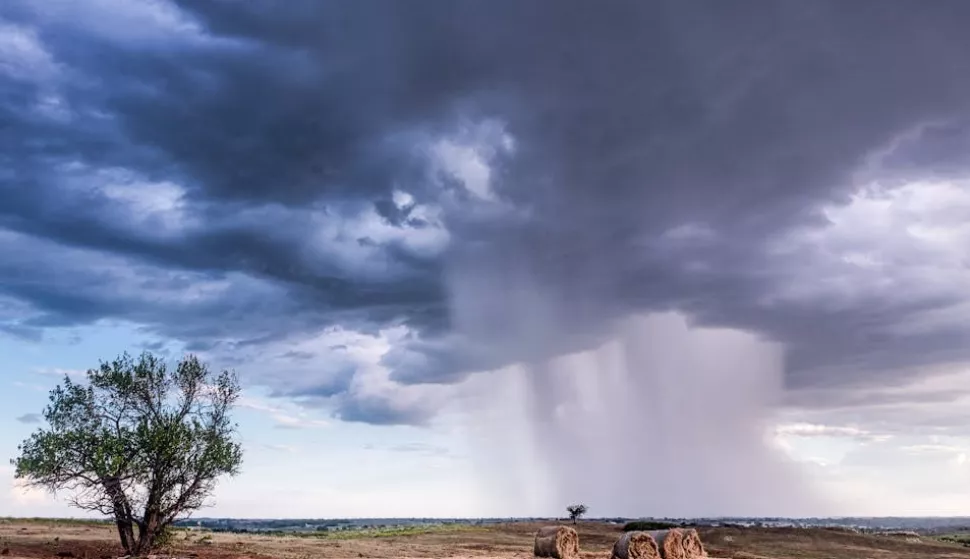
<point x="55" y="521"/>
<point x="389" y="532"/>
<point x="959" y="539"/>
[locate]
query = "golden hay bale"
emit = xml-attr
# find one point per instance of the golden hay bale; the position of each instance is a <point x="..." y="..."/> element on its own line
<point x="692" y="544"/>
<point x="671" y="543"/>
<point x="636" y="545"/>
<point x="558" y="542"/>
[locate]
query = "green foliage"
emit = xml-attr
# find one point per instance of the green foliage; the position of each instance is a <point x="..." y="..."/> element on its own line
<point x="205" y="540"/>
<point x="166" y="535"/>
<point x="136" y="437"/>
<point x="647" y="525"/>
<point x="959" y="539"/>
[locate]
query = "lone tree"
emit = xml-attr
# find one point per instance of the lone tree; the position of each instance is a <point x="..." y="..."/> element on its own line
<point x="136" y="442"/>
<point x="576" y="511"/>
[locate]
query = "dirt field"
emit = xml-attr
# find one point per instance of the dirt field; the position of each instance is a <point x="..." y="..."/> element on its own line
<point x="51" y="539"/>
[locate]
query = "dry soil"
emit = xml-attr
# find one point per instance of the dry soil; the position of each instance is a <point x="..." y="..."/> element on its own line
<point x="51" y="539"/>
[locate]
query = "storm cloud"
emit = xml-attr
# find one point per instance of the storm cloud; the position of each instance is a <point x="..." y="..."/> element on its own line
<point x="242" y="178"/>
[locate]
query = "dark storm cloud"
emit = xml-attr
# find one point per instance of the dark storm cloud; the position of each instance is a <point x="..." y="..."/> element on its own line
<point x="335" y="382"/>
<point x="298" y="355"/>
<point x="380" y="411"/>
<point x="630" y="119"/>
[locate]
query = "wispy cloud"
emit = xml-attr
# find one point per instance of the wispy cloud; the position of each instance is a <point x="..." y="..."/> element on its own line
<point x="29" y="418"/>
<point x="291" y="422"/>
<point x="421" y="448"/>
<point x="425" y="449"/>
<point x="290" y="449"/>
<point x="297" y="355"/>
<point x="934" y="448"/>
<point x="836" y="431"/>
<point x="29" y="386"/>
<point x="284" y="419"/>
<point x="61" y="373"/>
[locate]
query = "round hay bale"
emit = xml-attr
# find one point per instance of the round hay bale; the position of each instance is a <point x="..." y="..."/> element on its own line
<point x="671" y="543"/>
<point x="636" y="545"/>
<point x="558" y="542"/>
<point x="692" y="544"/>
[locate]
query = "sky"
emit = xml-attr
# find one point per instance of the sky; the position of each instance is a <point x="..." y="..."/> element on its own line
<point x="490" y="258"/>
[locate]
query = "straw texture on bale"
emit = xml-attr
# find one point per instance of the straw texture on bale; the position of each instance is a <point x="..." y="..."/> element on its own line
<point x="636" y="545"/>
<point x="671" y="543"/>
<point x="558" y="542"/>
<point x="692" y="544"/>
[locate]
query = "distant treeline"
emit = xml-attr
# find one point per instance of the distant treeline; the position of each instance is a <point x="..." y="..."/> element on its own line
<point x="647" y="525"/>
<point x="290" y="525"/>
<point x="937" y="526"/>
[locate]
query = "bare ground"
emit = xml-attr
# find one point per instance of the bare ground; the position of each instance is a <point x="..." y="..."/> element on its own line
<point x="50" y="539"/>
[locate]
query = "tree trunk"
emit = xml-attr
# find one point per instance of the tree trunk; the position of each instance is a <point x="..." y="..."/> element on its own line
<point x="126" y="533"/>
<point x="122" y="513"/>
<point x="148" y="531"/>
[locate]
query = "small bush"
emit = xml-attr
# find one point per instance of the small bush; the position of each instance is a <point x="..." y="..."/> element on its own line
<point x="647" y="525"/>
<point x="165" y="536"/>
<point x="961" y="540"/>
<point x="205" y="540"/>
